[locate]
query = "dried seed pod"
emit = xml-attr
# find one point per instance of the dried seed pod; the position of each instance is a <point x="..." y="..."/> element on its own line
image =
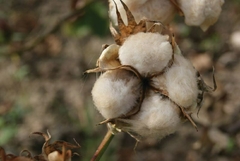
<point x="115" y="93"/>
<point x="160" y="10"/>
<point x="11" y="157"/>
<point x="157" y="118"/>
<point x="146" y="59"/>
<point x="203" y="13"/>
<point x="57" y="151"/>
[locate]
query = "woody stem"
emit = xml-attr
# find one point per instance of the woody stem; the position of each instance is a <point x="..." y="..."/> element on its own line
<point x="103" y="146"/>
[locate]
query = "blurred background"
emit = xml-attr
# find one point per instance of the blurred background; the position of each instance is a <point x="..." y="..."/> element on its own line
<point x="45" y="47"/>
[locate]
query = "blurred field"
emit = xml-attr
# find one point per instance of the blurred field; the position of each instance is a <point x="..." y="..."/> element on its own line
<point x="42" y="85"/>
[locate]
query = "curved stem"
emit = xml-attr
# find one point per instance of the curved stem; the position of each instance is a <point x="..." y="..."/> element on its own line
<point x="103" y="146"/>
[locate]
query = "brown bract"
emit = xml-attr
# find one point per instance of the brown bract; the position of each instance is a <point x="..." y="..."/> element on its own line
<point x="11" y="157"/>
<point x="57" y="151"/>
<point x="176" y="5"/>
<point x="125" y="30"/>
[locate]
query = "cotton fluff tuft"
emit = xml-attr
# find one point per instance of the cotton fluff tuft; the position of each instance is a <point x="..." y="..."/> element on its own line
<point x="157" y="118"/>
<point x="203" y="13"/>
<point x="115" y="93"/>
<point x="146" y="59"/>
<point x="159" y="10"/>
<point x="181" y="82"/>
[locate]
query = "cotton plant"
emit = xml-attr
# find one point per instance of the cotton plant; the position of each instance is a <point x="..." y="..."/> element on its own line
<point x="147" y="88"/>
<point x="203" y="13"/>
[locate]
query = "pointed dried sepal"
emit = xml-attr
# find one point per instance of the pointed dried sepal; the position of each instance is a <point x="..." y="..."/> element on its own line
<point x="126" y="30"/>
<point x="47" y="136"/>
<point x="11" y="157"/>
<point x="176" y="5"/>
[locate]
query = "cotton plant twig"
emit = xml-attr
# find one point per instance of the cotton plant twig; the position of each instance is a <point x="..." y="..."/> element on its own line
<point x="103" y="146"/>
<point x="40" y="38"/>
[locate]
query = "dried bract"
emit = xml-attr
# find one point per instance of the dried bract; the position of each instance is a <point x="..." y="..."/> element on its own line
<point x="57" y="151"/>
<point x="11" y="157"/>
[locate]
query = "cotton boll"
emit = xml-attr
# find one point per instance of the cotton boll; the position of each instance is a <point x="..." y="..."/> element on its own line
<point x="157" y="118"/>
<point x="115" y="93"/>
<point x="181" y="82"/>
<point x="160" y="10"/>
<point x="203" y="13"/>
<point x="146" y="52"/>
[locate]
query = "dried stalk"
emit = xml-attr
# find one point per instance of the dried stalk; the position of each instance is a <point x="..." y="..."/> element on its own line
<point x="103" y="146"/>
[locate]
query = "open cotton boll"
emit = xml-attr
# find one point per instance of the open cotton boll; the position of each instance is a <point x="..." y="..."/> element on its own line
<point x="146" y="52"/>
<point x="115" y="93"/>
<point x="157" y="118"/>
<point x="159" y="10"/>
<point x="181" y="82"/>
<point x="203" y="13"/>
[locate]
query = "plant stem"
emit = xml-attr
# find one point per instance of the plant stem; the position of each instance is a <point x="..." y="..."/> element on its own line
<point x="103" y="146"/>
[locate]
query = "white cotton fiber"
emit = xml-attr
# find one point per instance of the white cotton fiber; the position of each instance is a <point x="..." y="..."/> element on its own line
<point x="203" y="13"/>
<point x="147" y="52"/>
<point x="115" y="93"/>
<point x="159" y="10"/>
<point x="157" y="118"/>
<point x="181" y="82"/>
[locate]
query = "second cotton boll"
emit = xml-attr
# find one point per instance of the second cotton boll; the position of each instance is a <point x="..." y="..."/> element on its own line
<point x="203" y="13"/>
<point x="161" y="10"/>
